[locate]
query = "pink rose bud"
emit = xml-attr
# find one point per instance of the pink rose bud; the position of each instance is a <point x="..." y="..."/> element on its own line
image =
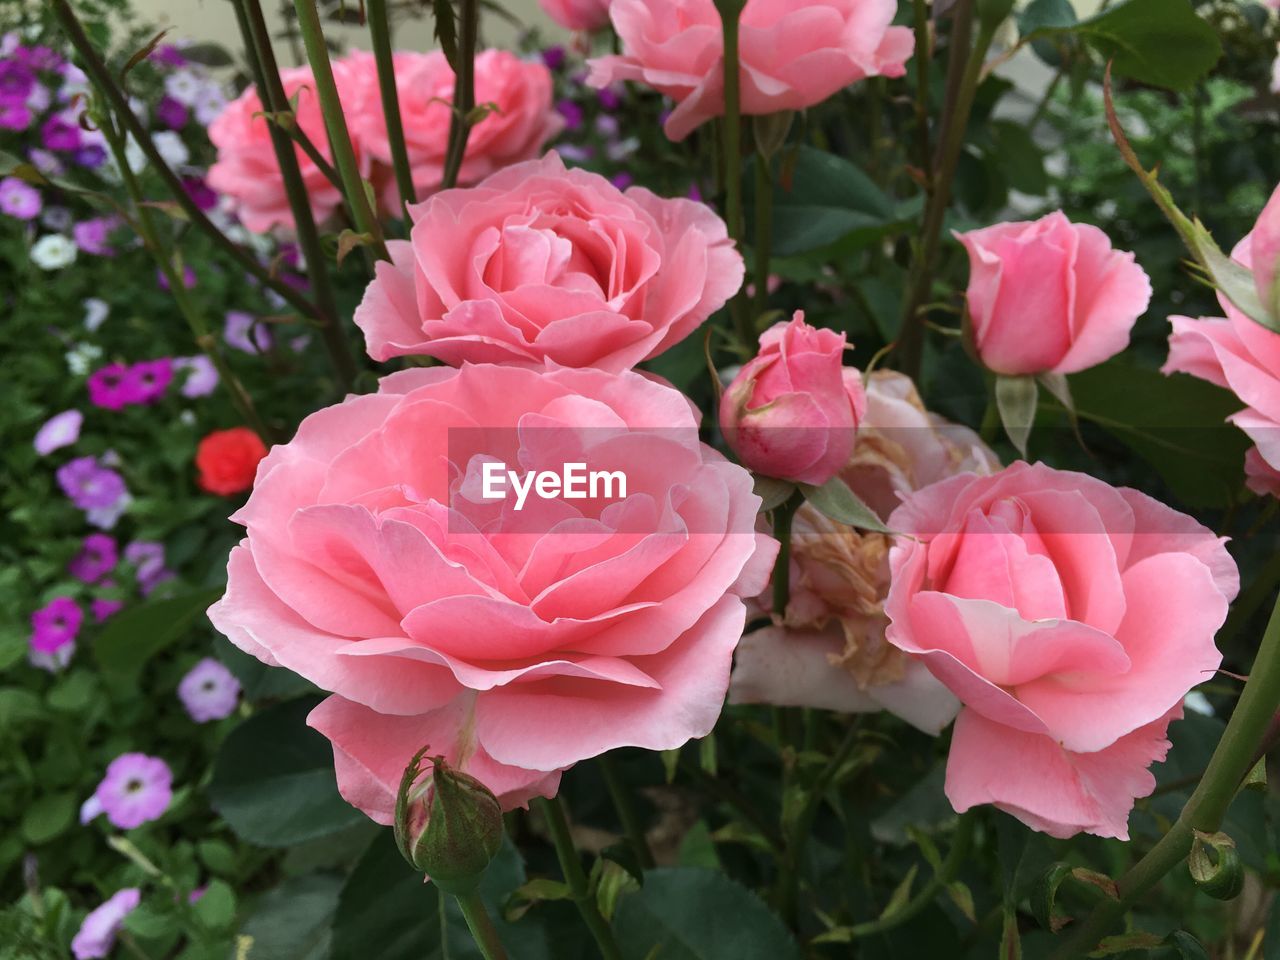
<point x="1050" y="296"/>
<point x="449" y="826"/>
<point x="1264" y="252"/>
<point x="792" y="411"/>
<point x="577" y="14"/>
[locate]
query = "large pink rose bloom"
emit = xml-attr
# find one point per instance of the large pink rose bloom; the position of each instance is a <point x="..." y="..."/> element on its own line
<point x="515" y="642"/>
<point x="1242" y="355"/>
<point x="577" y="14"/>
<point x="539" y="263"/>
<point x="522" y="121"/>
<point x="792" y="410"/>
<point x="794" y="53"/>
<point x="829" y="650"/>
<point x="246" y="170"/>
<point x="1071" y="618"/>
<point x="1050" y="295"/>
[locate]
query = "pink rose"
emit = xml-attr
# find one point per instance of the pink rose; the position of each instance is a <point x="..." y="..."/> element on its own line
<point x="1243" y="356"/>
<point x="791" y="412"/>
<point x="515" y="641"/>
<point x="1071" y="618"/>
<point x="829" y="650"/>
<point x="539" y="263"/>
<point x="793" y="53"/>
<point x="522" y="121"/>
<point x="246" y="170"/>
<point x="1050" y="295"/>
<point x="577" y="14"/>
<point x="1264" y="252"/>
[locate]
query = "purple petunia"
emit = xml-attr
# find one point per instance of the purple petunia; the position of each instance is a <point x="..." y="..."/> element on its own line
<point x="188" y="278"/>
<point x="209" y="691"/>
<point x="97" y="558"/>
<point x="152" y="378"/>
<point x="92" y="235"/>
<point x="105" y="607"/>
<point x="610" y="99"/>
<point x="59" y="133"/>
<point x="97" y="935"/>
<point x="15" y="116"/>
<point x="147" y="558"/>
<point x="90" y="156"/>
<point x="572" y="113"/>
<point x="89" y="485"/>
<point x="60" y="430"/>
<point x="169" y="55"/>
<point x="553" y="57"/>
<point x="19" y="199"/>
<point x="204" y="196"/>
<point x="136" y="790"/>
<point x="17" y="80"/>
<point x="171" y="113"/>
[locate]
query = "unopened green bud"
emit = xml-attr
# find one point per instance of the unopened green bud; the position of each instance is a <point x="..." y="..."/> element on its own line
<point x="449" y="826"/>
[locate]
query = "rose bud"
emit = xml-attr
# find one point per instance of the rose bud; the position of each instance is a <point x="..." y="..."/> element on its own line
<point x="791" y="412"/>
<point x="449" y="826"/>
<point x="1050" y="296"/>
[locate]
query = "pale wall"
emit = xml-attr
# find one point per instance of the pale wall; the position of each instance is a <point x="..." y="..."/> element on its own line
<point x="214" y="20"/>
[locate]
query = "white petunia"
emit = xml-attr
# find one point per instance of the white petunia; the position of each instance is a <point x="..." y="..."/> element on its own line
<point x="53" y="251"/>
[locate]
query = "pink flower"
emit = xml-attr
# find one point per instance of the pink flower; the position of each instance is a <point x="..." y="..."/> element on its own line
<point x="522" y="122"/>
<point x="60" y="430"/>
<point x="515" y="641"/>
<point x="98" y="556"/>
<point x="136" y="790"/>
<point x="539" y="263"/>
<point x="1243" y="356"/>
<point x="96" y="937"/>
<point x="55" y="625"/>
<point x="791" y="412"/>
<point x="246" y="169"/>
<point x="577" y="14"/>
<point x="1264" y="252"/>
<point x="794" y="53"/>
<point x="829" y="650"/>
<point x="209" y="691"/>
<point x="1070" y="618"/>
<point x="1050" y="295"/>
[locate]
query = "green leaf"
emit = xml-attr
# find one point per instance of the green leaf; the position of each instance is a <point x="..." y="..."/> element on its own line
<point x="688" y="913"/>
<point x="273" y="780"/>
<point x="835" y="500"/>
<point x="1176" y="424"/>
<point x="386" y="911"/>
<point x="819" y="198"/>
<point x="1188" y="947"/>
<point x="73" y="693"/>
<point x="1016" y="399"/>
<point x="216" y="908"/>
<point x="901" y="893"/>
<point x="772" y="492"/>
<point x="135" y="635"/>
<point x="18" y="707"/>
<point x="208" y="54"/>
<point x="1044" y="896"/>
<point x="292" y="921"/>
<point x="1161" y="42"/>
<point x="48" y="817"/>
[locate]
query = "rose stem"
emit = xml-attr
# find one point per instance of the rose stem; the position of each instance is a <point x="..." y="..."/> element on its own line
<point x="579" y="889"/>
<point x="1231" y="762"/>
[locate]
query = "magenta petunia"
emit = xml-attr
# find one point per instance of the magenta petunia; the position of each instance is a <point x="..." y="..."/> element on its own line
<point x="97" y="934"/>
<point x="136" y="790"/>
<point x="55" y="624"/>
<point x="105" y="607"/>
<point x="151" y="378"/>
<point x="59" y="133"/>
<point x="97" y="558"/>
<point x="209" y="691"/>
<point x="112" y="388"/>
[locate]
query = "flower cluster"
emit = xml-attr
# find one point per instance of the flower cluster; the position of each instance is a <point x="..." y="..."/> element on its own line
<point x="518" y="120"/>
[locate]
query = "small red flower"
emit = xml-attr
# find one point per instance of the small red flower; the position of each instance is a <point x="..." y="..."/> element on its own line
<point x="227" y="460"/>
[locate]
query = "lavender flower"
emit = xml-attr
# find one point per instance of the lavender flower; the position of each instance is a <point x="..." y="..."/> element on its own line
<point x="147" y="558"/>
<point x="91" y="486"/>
<point x="19" y="199"/>
<point x="92" y="235"/>
<point x="242" y="332"/>
<point x="97" y="558"/>
<point x="97" y="935"/>
<point x="201" y="375"/>
<point x="188" y="278"/>
<point x="60" y="430"/>
<point x="90" y="156"/>
<point x="209" y="691"/>
<point x="136" y="790"/>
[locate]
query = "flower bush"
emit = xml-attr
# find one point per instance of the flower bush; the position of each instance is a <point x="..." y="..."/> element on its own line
<point x="736" y="482"/>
